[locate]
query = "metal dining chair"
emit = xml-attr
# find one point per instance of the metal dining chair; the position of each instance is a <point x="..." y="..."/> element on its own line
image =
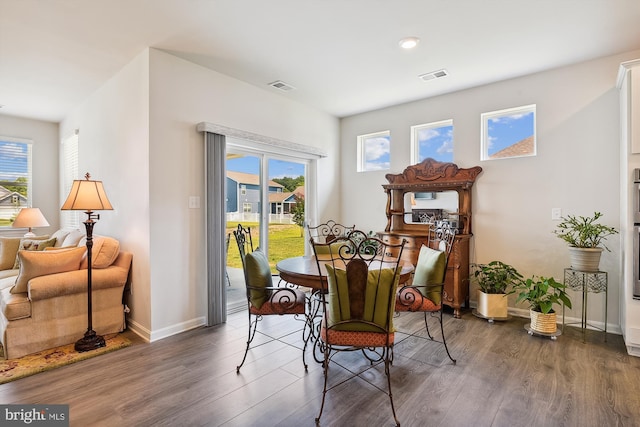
<point x="263" y="298"/>
<point x="426" y="291"/>
<point x="358" y="301"/>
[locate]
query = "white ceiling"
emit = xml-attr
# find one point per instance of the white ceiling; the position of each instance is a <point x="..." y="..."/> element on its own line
<point x="342" y="56"/>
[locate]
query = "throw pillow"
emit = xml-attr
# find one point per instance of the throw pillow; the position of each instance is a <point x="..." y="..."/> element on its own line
<point x="379" y="298"/>
<point x="33" y="245"/>
<point x="34" y="264"/>
<point x="60" y="235"/>
<point x="430" y="270"/>
<point x="9" y="249"/>
<point x="258" y="274"/>
<point x="104" y="252"/>
<point x="72" y="238"/>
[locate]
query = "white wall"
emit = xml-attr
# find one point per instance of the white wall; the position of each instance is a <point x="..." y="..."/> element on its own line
<point x="113" y="147"/>
<point x="576" y="167"/>
<point x="45" y="150"/>
<point x="183" y="94"/>
<point x="138" y="135"/>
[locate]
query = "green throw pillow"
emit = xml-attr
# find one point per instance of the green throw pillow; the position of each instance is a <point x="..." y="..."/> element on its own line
<point x="258" y="274"/>
<point x="378" y="304"/>
<point x="430" y="269"/>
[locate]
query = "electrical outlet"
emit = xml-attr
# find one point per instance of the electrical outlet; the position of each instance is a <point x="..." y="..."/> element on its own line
<point x="556" y="214"/>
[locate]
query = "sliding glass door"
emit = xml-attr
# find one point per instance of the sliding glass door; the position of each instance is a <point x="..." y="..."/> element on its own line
<point x="267" y="194"/>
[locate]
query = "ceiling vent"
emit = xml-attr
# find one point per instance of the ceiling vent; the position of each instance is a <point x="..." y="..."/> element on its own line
<point x="433" y="75"/>
<point x="280" y="85"/>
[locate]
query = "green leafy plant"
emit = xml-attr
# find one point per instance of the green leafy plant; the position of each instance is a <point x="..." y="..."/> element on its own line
<point x="542" y="293"/>
<point x="584" y="232"/>
<point x="495" y="277"/>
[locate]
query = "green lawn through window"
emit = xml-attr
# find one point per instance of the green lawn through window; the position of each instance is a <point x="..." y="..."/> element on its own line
<point x="285" y="241"/>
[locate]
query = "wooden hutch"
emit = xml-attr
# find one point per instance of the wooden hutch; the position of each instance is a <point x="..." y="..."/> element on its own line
<point x="433" y="178"/>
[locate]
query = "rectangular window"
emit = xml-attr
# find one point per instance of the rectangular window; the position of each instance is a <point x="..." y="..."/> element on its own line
<point x="246" y="207"/>
<point x="374" y="151"/>
<point x="434" y="140"/>
<point x="509" y="133"/>
<point x="243" y="190"/>
<point x="69" y="219"/>
<point x="15" y="177"/>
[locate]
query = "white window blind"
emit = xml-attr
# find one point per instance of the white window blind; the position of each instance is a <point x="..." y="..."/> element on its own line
<point x="69" y="219"/>
<point x="15" y="177"/>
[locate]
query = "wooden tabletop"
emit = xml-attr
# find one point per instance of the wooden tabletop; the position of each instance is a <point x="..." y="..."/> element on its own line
<point x="303" y="271"/>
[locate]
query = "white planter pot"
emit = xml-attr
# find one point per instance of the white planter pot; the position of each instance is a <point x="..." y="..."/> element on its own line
<point x="585" y="259"/>
<point x="492" y="305"/>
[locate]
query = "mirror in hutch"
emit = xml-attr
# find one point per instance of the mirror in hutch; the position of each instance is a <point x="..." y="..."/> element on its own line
<point x="422" y="194"/>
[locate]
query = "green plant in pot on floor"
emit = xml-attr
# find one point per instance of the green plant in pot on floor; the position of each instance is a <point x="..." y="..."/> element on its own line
<point x="585" y="236"/>
<point x="542" y="294"/>
<point x="495" y="281"/>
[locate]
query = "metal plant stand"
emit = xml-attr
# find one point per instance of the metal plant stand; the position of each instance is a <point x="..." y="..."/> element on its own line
<point x="587" y="281"/>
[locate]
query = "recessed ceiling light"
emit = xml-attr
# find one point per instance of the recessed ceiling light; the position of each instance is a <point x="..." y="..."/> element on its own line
<point x="409" y="42"/>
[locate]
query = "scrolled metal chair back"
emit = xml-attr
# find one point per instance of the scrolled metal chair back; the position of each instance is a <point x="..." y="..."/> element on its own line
<point x="244" y="241"/>
<point x="442" y="237"/>
<point x="329" y="231"/>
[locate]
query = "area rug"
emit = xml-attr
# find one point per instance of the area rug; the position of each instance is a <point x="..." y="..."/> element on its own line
<point x="45" y="360"/>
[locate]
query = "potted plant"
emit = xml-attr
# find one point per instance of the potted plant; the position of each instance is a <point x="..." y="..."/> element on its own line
<point x="542" y="293"/>
<point x="585" y="237"/>
<point x="494" y="281"/>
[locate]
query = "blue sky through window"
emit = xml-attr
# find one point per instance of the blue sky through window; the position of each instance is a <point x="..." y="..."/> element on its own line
<point x="435" y="142"/>
<point x="14" y="160"/>
<point x="376" y="150"/>
<point x="277" y="168"/>
<point x="504" y="131"/>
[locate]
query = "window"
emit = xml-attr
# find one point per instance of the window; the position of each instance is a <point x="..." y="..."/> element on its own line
<point x="246" y="207"/>
<point x="509" y="133"/>
<point x="433" y="140"/>
<point x="243" y="190"/>
<point x="15" y="178"/>
<point x="374" y="151"/>
<point x="69" y="219"/>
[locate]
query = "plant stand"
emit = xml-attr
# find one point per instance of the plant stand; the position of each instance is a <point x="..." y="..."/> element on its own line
<point x="490" y="319"/>
<point x="553" y="335"/>
<point x="587" y="281"/>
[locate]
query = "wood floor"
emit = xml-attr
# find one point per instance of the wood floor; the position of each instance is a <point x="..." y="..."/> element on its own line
<point x="503" y="377"/>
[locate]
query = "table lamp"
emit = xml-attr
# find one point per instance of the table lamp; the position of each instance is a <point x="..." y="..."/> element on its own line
<point x="30" y="218"/>
<point x="88" y="195"/>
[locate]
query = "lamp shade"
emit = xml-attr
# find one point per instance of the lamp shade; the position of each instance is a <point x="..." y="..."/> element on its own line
<point x="30" y="217"/>
<point x="87" y="195"/>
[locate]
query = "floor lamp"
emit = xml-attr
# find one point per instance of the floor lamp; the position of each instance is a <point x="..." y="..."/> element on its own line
<point x="87" y="195"/>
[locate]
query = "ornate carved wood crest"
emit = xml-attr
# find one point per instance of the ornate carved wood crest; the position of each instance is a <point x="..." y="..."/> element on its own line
<point x="432" y="171"/>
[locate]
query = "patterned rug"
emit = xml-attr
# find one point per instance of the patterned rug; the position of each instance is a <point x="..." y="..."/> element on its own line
<point x="45" y="360"/>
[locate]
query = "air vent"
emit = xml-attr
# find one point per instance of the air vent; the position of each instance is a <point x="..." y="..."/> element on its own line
<point x="280" y="85"/>
<point x="433" y="75"/>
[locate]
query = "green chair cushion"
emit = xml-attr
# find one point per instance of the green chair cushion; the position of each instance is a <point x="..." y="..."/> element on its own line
<point x="332" y="248"/>
<point x="430" y="270"/>
<point x="379" y="299"/>
<point x="258" y="275"/>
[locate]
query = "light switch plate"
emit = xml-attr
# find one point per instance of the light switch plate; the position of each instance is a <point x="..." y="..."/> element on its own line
<point x="556" y="214"/>
<point x="194" y="202"/>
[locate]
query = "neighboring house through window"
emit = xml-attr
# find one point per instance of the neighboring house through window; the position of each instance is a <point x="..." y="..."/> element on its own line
<point x="15" y="177"/>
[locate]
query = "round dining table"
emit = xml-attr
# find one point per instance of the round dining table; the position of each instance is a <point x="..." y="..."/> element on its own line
<point x="303" y="271"/>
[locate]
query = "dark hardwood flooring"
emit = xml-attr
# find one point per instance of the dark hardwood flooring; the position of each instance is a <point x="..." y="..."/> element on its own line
<point x="503" y="377"/>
